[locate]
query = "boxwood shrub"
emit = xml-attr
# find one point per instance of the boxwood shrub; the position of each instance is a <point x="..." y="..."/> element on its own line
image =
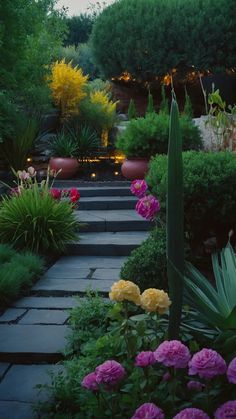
<point x="209" y="193"/>
<point x="148" y="136"/>
<point x="146" y="265"/>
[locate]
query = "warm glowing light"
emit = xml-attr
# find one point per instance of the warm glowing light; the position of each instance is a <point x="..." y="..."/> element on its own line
<point x="167" y="80"/>
<point x="104" y="138"/>
<point x="125" y="76"/>
<point x="29" y="159"/>
<point x="93" y="175"/>
<point x="116" y="173"/>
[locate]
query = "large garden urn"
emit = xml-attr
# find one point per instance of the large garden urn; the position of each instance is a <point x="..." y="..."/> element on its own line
<point x="135" y="168"/>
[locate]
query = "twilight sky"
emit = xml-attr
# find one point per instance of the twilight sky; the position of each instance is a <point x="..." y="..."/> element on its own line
<point x="75" y="7"/>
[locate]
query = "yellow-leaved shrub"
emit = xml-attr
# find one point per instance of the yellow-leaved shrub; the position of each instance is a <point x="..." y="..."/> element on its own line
<point x="67" y="84"/>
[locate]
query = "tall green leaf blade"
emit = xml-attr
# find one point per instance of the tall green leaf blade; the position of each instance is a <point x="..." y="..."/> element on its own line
<point x="175" y="230"/>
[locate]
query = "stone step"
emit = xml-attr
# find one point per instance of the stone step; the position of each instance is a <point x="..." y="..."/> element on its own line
<point x="112" y="220"/>
<point x="107" y="203"/>
<point x="104" y="191"/>
<point x="107" y="243"/>
<point x="32" y="343"/>
<point x="94" y="184"/>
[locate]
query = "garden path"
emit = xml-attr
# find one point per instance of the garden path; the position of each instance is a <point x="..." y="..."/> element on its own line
<point x="33" y="331"/>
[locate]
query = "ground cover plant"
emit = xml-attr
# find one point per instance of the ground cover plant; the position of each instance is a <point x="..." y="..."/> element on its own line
<point x="18" y="271"/>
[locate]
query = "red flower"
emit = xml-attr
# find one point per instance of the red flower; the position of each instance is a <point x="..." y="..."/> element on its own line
<point x="55" y="193"/>
<point x="74" y="195"/>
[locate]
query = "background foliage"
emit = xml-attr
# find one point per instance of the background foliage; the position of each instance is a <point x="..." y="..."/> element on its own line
<point x="151" y="38"/>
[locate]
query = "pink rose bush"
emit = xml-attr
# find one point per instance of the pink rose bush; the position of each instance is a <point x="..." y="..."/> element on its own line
<point x="148" y="207"/>
<point x="145" y="359"/>
<point x="207" y="364"/>
<point x="226" y="411"/>
<point x="231" y="372"/>
<point x="191" y="413"/>
<point x="148" y="411"/>
<point x="139" y="187"/>
<point x="172" y="353"/>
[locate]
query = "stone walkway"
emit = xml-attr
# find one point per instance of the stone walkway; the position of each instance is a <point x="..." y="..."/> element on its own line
<point x="33" y="331"/>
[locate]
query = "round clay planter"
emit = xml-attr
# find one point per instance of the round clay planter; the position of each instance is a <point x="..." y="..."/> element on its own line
<point x="69" y="166"/>
<point x="134" y="168"/>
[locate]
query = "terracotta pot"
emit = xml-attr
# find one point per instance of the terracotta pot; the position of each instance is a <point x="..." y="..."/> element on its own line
<point x="134" y="168"/>
<point x="69" y="166"/>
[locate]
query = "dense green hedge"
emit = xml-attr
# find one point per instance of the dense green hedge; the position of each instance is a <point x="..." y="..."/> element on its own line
<point x="148" y="136"/>
<point x="148" y="38"/>
<point x="209" y="192"/>
<point x="146" y="265"/>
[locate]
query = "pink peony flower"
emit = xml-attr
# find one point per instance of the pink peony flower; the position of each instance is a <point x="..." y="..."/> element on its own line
<point x="191" y="413"/>
<point x="55" y="193"/>
<point x="74" y="195"/>
<point x="110" y="372"/>
<point x="139" y="187"/>
<point x="148" y="411"/>
<point x="231" y="371"/>
<point x="195" y="385"/>
<point x="90" y="382"/>
<point x="207" y="364"/>
<point x="145" y="359"/>
<point x="148" y="207"/>
<point x="226" y="411"/>
<point x="172" y="353"/>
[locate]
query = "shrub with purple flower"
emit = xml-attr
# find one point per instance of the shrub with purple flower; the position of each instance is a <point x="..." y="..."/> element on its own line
<point x="207" y="364"/>
<point x="148" y="411"/>
<point x="191" y="413"/>
<point x="172" y="353"/>
<point x="90" y="382"/>
<point x="226" y="411"/>
<point x="139" y="187"/>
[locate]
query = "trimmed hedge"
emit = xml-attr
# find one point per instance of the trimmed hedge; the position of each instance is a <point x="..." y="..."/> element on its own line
<point x="146" y="265"/>
<point x="148" y="136"/>
<point x="149" y="38"/>
<point x="209" y="193"/>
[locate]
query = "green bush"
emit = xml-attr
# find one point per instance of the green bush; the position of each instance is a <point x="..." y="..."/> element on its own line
<point x="145" y="137"/>
<point x="209" y="192"/>
<point x="18" y="271"/>
<point x="146" y="265"/>
<point x="82" y="56"/>
<point x="35" y="221"/>
<point x="148" y="39"/>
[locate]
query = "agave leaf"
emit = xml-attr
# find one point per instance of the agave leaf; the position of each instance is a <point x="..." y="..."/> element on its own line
<point x="229" y="274"/>
<point x="230" y="321"/>
<point x="220" y="283"/>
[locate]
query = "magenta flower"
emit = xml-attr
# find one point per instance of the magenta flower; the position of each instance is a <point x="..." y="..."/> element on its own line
<point x="207" y="364"/>
<point x="231" y="371"/>
<point x="55" y="193"/>
<point x="145" y="359"/>
<point x="148" y="207"/>
<point x="74" y="195"/>
<point x="191" y="413"/>
<point x="148" y="411"/>
<point x="90" y="382"/>
<point x="195" y="385"/>
<point x="172" y="353"/>
<point x="110" y="373"/>
<point x="139" y="187"/>
<point x="226" y="411"/>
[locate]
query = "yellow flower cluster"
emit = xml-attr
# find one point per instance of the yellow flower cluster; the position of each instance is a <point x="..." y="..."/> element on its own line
<point x="154" y="300"/>
<point x="67" y="85"/>
<point x="151" y="300"/>
<point x="100" y="98"/>
<point x="125" y="290"/>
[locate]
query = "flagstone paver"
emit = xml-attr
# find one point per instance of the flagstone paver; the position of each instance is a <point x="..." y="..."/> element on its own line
<point x="17" y="410"/>
<point x="47" y="302"/>
<point x="11" y="315"/>
<point x="36" y="316"/>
